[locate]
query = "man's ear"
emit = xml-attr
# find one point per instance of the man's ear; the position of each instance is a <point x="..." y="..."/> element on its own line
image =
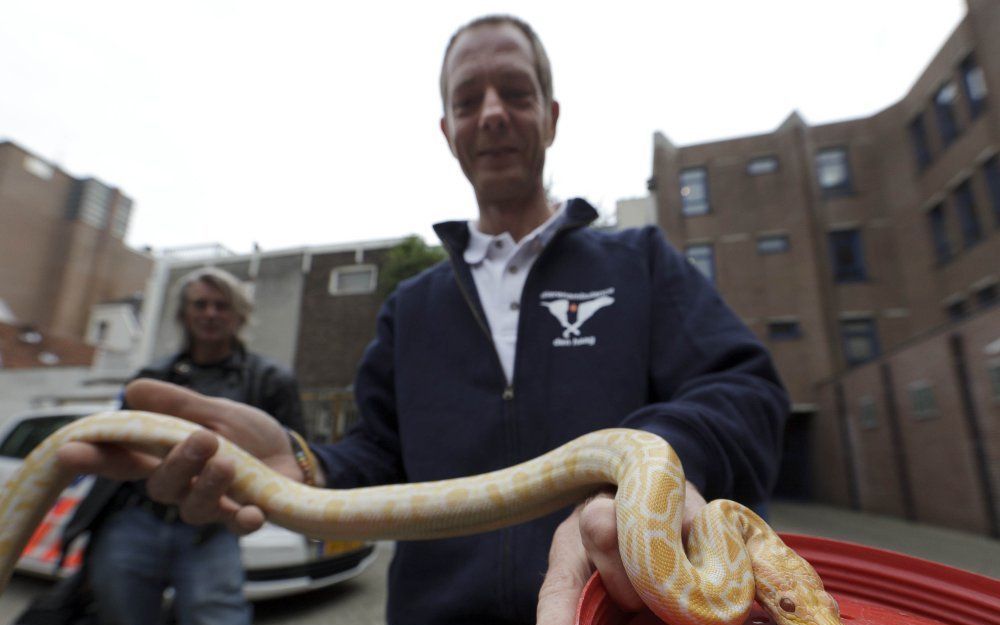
<point x="447" y="137"/>
<point x="554" y="117"/>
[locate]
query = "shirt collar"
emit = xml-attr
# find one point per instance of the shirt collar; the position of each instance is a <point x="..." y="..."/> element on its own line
<point x="479" y="242"/>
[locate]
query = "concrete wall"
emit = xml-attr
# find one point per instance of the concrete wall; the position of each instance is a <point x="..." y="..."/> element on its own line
<point x="23" y="389"/>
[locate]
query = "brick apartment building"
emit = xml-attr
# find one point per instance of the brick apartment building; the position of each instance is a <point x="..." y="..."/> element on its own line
<point x="866" y="254"/>
<point x="62" y="246"/>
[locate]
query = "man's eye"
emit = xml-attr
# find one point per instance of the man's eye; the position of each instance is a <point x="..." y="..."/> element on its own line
<point x="465" y="102"/>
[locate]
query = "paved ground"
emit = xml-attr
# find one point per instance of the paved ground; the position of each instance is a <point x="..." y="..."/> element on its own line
<point x="972" y="552"/>
<point x="360" y="601"/>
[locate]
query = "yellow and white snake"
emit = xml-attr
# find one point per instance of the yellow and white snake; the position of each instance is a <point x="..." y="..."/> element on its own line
<point x="731" y="555"/>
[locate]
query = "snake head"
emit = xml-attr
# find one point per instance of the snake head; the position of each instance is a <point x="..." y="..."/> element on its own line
<point x="812" y="606"/>
<point x="802" y="602"/>
<point x="793" y="594"/>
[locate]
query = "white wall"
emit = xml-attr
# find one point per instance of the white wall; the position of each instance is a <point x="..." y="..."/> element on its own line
<point x="23" y="389"/>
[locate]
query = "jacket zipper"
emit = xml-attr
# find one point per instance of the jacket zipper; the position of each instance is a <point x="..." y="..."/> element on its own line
<point x="508" y="589"/>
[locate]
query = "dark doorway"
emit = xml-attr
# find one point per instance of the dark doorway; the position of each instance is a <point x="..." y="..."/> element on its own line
<point x="794" y="476"/>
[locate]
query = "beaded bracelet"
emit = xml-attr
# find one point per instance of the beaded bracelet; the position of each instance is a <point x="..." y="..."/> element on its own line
<point x="303" y="457"/>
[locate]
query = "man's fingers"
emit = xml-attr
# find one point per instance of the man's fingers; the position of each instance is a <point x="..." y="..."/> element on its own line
<point x="204" y="501"/>
<point x="171" y="481"/>
<point x="245" y="519"/>
<point x="569" y="570"/>
<point x="250" y="428"/>
<point x="166" y="398"/>
<point x="109" y="461"/>
<point x="599" y="533"/>
<point x="693" y="503"/>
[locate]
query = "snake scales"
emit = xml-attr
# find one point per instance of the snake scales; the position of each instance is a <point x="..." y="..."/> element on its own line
<point x="731" y="556"/>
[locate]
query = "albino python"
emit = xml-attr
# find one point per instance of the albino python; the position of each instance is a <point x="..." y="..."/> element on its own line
<point x="731" y="554"/>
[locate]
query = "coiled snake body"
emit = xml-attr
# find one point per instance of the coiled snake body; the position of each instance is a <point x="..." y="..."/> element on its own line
<point x="731" y="555"/>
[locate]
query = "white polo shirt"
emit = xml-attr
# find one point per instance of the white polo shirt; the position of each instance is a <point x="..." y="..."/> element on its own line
<point x="500" y="267"/>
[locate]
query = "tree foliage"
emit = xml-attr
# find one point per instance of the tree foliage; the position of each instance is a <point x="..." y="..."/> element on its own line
<point x="406" y="259"/>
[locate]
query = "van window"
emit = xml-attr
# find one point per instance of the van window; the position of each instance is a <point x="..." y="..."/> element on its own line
<point x="28" y="434"/>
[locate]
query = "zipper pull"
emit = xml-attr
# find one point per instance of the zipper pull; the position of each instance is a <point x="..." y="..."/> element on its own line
<point x="508" y="393"/>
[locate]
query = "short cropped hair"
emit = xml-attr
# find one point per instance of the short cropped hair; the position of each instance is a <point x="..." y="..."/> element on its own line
<point x="231" y="288"/>
<point x="543" y="69"/>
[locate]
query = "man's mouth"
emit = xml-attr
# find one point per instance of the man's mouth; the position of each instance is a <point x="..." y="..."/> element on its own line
<point x="497" y="151"/>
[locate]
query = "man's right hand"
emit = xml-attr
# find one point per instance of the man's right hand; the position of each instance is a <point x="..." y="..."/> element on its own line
<point x="190" y="476"/>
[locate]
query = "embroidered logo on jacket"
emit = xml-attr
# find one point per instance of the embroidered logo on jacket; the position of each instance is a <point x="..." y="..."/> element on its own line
<point x="572" y="310"/>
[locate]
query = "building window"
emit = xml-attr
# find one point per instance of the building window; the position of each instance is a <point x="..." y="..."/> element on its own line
<point x="944" y="110"/>
<point x="38" y="167"/>
<point x="974" y="83"/>
<point x="957" y="310"/>
<point x="921" y="148"/>
<point x="847" y="256"/>
<point x="833" y="171"/>
<point x="95" y="203"/>
<point x="991" y="169"/>
<point x="701" y="256"/>
<point x="860" y="340"/>
<point x="694" y="191"/>
<point x="868" y="413"/>
<point x="762" y="165"/>
<point x="773" y="244"/>
<point x="966" y="206"/>
<point x="101" y="333"/>
<point x="987" y="296"/>
<point x="939" y="233"/>
<point x="784" y="330"/>
<point x="353" y="279"/>
<point x="119" y="223"/>
<point x="922" y="401"/>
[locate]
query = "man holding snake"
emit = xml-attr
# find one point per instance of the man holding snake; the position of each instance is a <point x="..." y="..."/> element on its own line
<point x="536" y="330"/>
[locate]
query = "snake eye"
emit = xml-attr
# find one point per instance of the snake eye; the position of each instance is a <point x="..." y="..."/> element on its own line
<point x="787" y="604"/>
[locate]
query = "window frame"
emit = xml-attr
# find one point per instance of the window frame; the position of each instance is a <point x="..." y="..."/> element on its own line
<point x="957" y="310"/>
<point x="868" y="413"/>
<point x="767" y="158"/>
<point x="987" y="296"/>
<point x="710" y="259"/>
<point x="923" y="402"/>
<point x="937" y="222"/>
<point x="991" y="172"/>
<point x="869" y="332"/>
<point x="968" y="216"/>
<point x="858" y="270"/>
<point x="764" y="238"/>
<point x="920" y="142"/>
<point x="976" y="105"/>
<point x="791" y="331"/>
<point x="688" y="207"/>
<point x="945" y="114"/>
<point x="845" y="186"/>
<point x="333" y="287"/>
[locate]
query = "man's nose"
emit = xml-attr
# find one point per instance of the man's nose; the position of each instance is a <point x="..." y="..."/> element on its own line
<point x="494" y="113"/>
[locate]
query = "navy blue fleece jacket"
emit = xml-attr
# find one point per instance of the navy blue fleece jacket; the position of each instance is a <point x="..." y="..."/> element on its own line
<point x="615" y="329"/>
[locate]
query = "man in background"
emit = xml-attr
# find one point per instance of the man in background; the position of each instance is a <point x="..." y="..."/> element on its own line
<point x="139" y="547"/>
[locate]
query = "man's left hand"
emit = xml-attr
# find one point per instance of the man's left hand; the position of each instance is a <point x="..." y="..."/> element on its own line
<point x="588" y="540"/>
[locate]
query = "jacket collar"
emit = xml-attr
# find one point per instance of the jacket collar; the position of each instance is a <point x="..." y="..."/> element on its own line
<point x="455" y="234"/>
<point x="236" y="361"/>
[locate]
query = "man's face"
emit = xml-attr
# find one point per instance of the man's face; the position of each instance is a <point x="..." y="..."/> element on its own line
<point x="496" y="120"/>
<point x="208" y="317"/>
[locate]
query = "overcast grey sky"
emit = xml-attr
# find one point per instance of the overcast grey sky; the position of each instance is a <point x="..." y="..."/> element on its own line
<point x="306" y="123"/>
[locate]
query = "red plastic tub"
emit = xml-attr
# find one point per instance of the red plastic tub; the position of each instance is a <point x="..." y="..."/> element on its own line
<point x="872" y="586"/>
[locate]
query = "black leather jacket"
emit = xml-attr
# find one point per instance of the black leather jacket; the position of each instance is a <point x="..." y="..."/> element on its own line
<point x="244" y="377"/>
